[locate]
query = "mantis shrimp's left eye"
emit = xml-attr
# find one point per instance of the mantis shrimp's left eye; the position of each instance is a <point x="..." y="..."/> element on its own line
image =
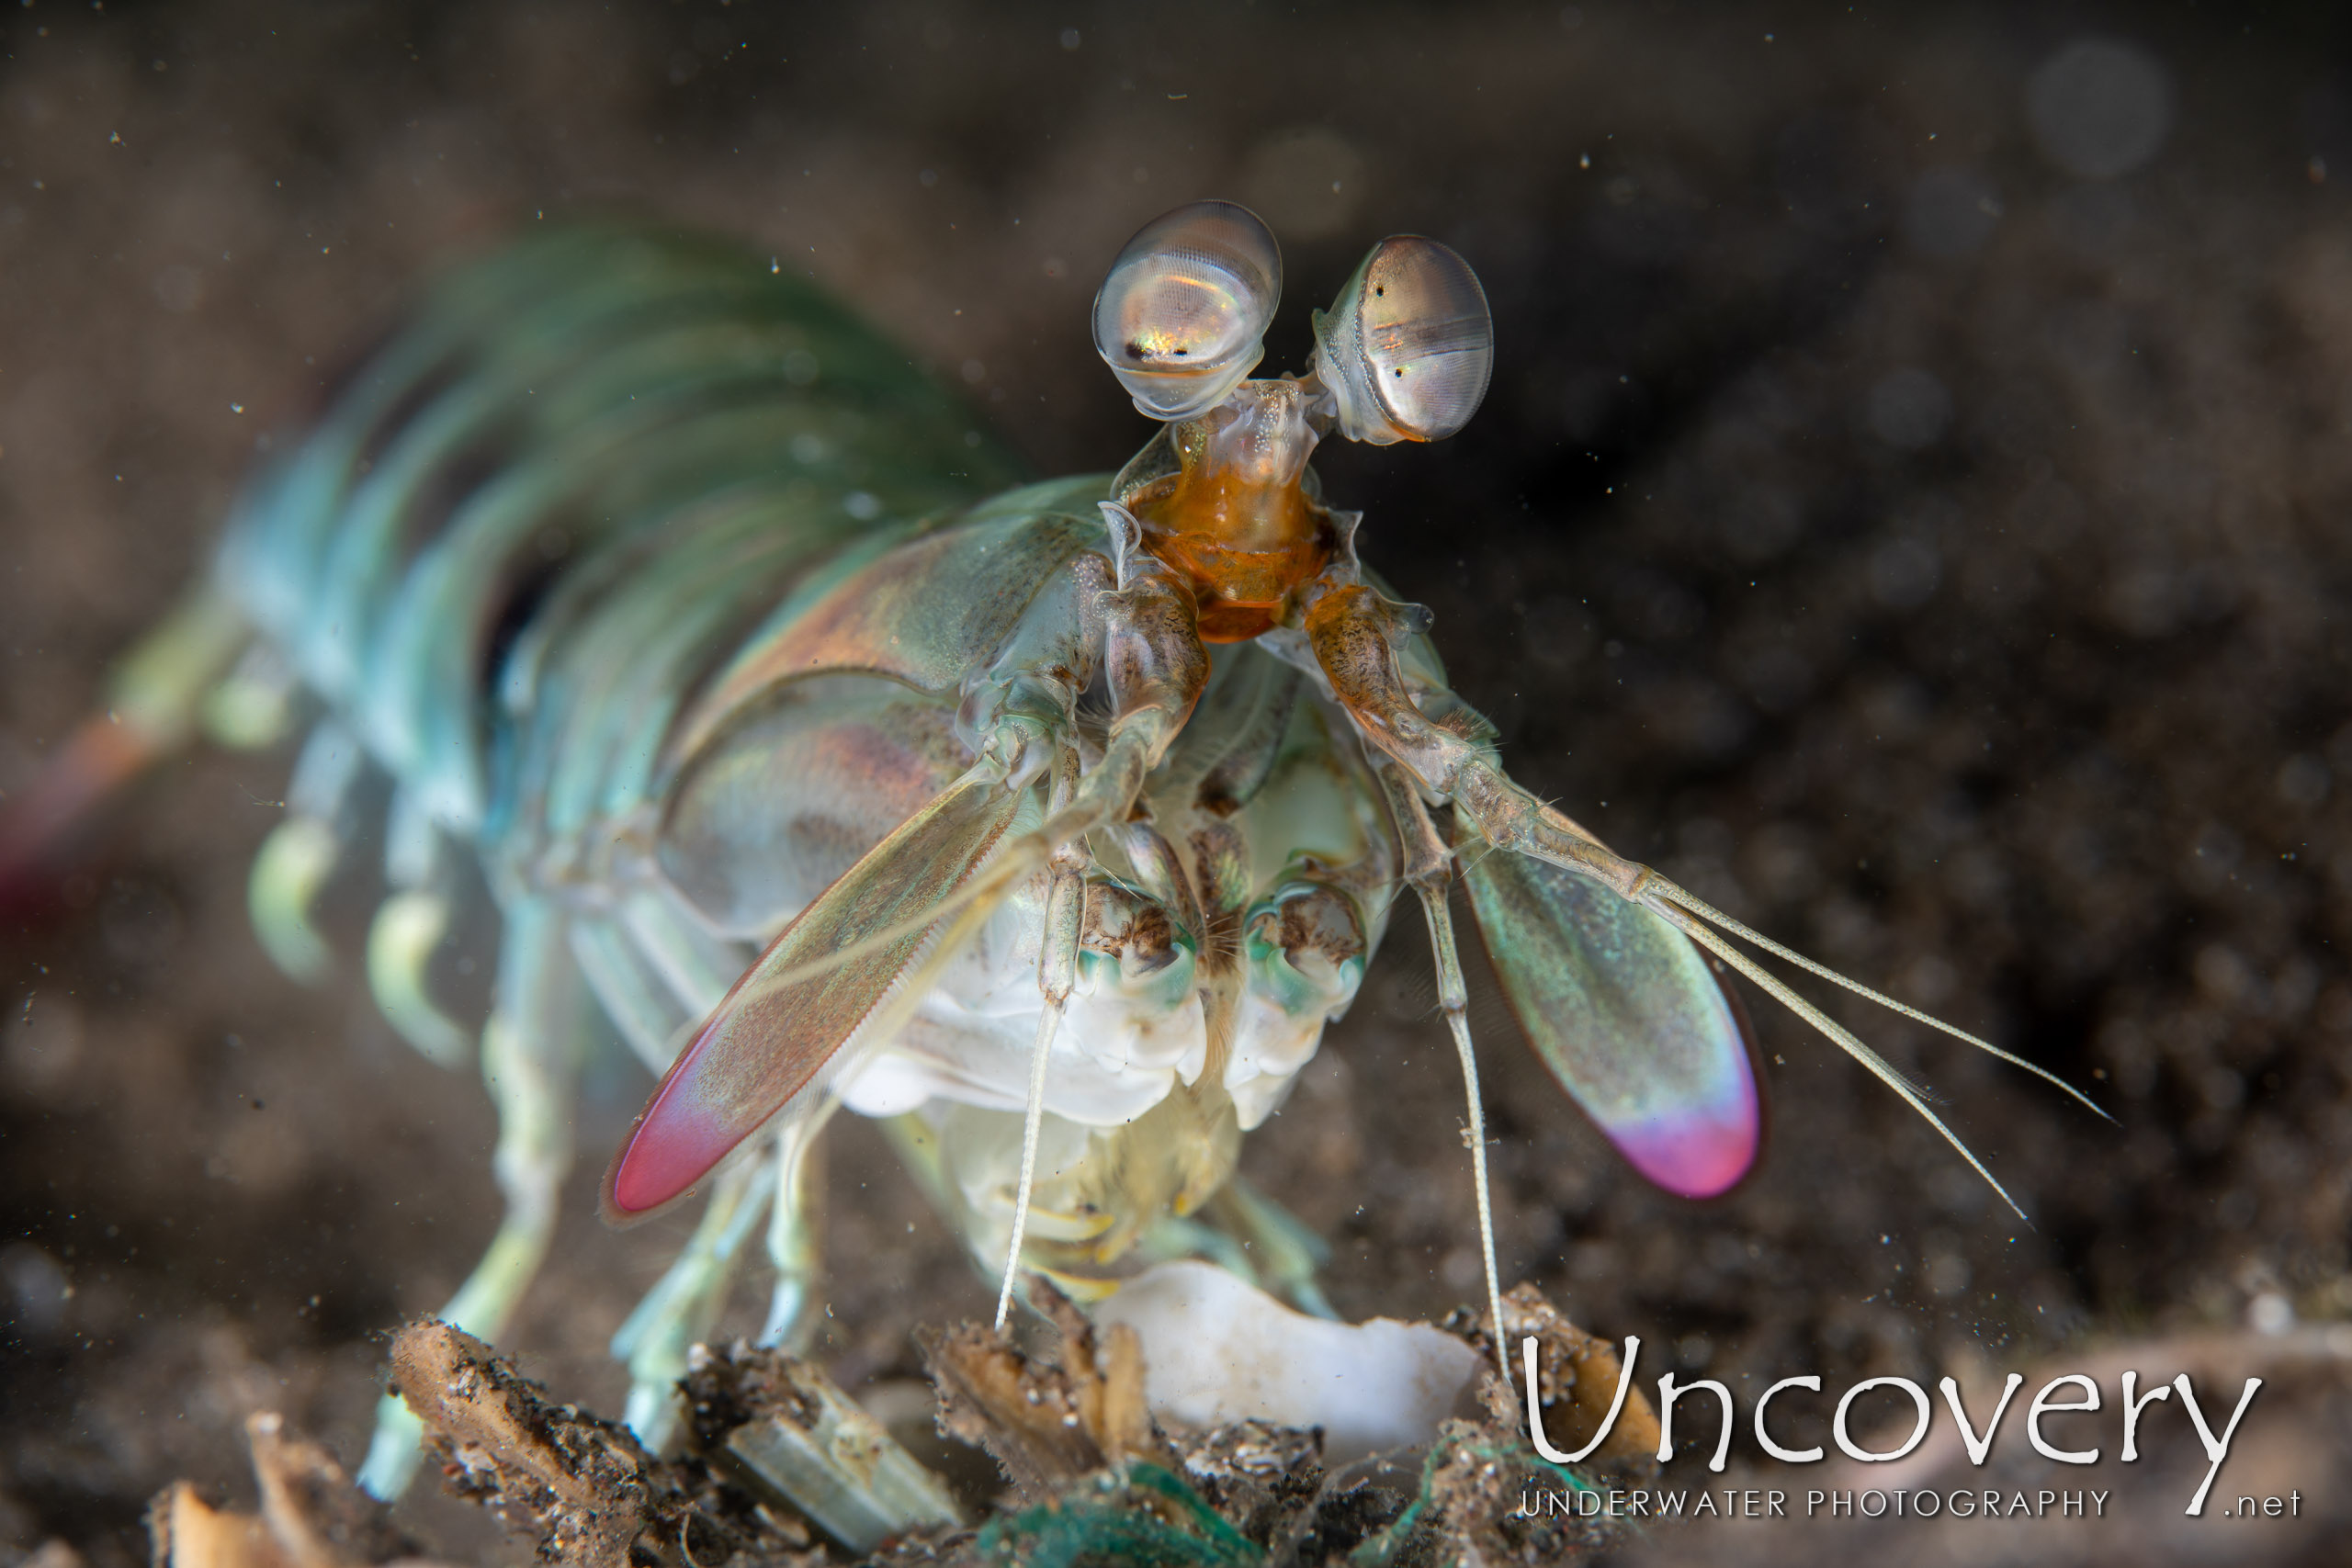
<point x="1182" y="318"/>
<point x="1407" y="349"/>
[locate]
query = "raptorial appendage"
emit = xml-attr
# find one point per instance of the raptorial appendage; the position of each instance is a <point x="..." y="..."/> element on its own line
<point x="1625" y="1010"/>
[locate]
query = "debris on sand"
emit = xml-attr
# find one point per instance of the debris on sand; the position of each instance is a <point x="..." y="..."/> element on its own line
<point x="583" y="1487"/>
<point x="781" y="1429"/>
<point x="782" y="1468"/>
<point x="1579" y="1373"/>
<point x="311" y="1514"/>
<point x="1047" y="1422"/>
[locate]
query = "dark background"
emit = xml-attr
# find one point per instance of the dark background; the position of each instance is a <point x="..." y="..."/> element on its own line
<point x="1910" y="510"/>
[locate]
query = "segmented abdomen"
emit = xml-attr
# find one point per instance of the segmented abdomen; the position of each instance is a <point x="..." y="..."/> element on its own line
<point x="572" y="483"/>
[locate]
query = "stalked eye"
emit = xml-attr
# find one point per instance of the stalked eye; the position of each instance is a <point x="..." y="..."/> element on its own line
<point x="1182" y="318"/>
<point x="1407" y="347"/>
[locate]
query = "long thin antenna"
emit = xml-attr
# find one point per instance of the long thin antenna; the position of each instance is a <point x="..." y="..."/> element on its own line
<point x="1839" y="1036"/>
<point x="1057" y="973"/>
<point x="1048" y="1022"/>
<point x="1666" y="889"/>
<point x="1477" y="1130"/>
<point x="1428" y="869"/>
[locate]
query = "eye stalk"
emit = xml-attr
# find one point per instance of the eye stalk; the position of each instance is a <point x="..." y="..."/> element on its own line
<point x="1223" y="494"/>
<point x="1407" y="351"/>
<point x="1181" y="319"/>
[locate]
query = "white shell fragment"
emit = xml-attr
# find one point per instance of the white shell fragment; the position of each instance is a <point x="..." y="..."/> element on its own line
<point x="1182" y="316"/>
<point x="1409" y="347"/>
<point x="1216" y="1349"/>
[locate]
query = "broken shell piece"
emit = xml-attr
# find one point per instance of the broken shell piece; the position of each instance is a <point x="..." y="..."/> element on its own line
<point x="1218" y="1349"/>
<point x="808" y="1446"/>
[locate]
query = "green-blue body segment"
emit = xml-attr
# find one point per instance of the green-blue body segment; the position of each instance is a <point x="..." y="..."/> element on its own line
<point x="526" y="529"/>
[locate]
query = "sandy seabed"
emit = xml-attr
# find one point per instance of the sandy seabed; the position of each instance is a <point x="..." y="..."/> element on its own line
<point x="1910" y="511"/>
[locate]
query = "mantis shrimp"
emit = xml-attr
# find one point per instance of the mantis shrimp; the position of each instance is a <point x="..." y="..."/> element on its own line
<point x="1047" y="823"/>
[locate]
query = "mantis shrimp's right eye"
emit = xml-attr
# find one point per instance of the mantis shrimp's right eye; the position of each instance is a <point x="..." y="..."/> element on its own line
<point x="1407" y="349"/>
<point x="1182" y="318"/>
